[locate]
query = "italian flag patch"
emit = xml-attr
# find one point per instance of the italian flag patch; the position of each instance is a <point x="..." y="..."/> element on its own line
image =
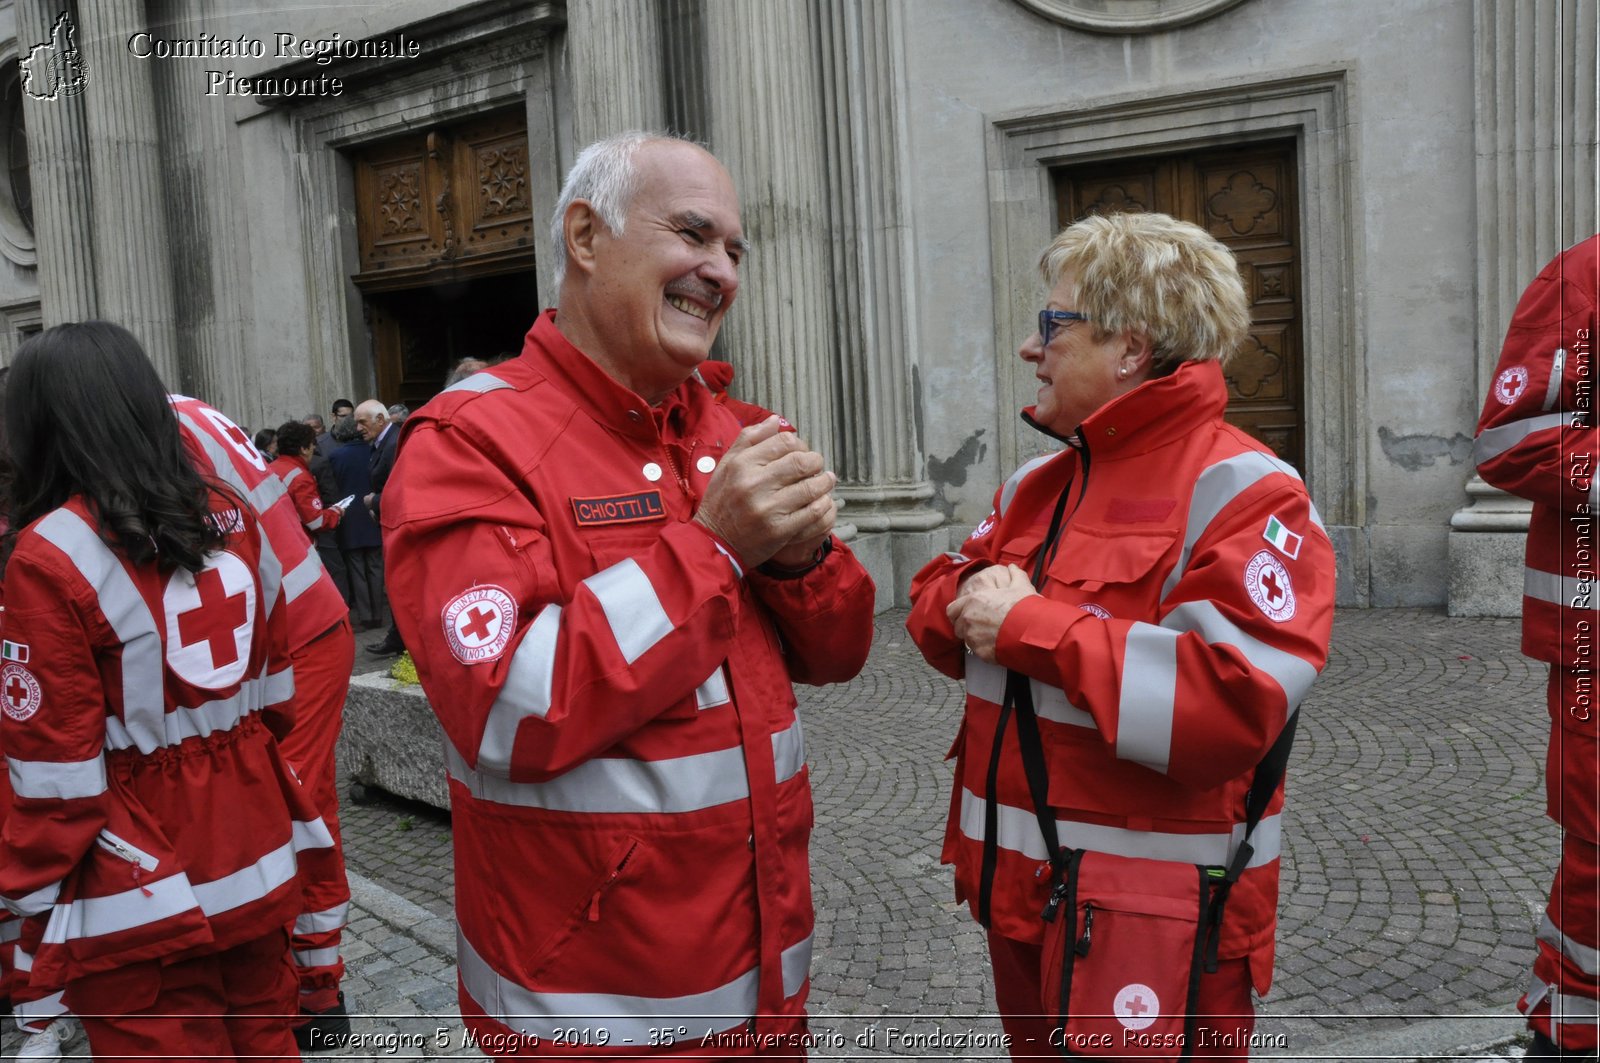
<point x="1287" y="542"/>
<point x="14" y="651"/>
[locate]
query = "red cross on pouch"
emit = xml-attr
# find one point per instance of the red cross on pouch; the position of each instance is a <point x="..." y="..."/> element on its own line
<point x="1137" y="1006"/>
<point x="17" y="692"/>
<point x="215" y="619"/>
<point x="477" y="626"/>
<point x="1269" y="582"/>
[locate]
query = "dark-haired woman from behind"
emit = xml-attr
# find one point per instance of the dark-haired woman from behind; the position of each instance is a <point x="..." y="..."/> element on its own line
<point x="153" y="818"/>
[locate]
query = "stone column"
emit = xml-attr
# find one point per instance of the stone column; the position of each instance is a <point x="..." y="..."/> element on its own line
<point x="880" y="459"/>
<point x="1536" y="131"/>
<point x="614" y="61"/>
<point x="209" y="294"/>
<point x="765" y="124"/>
<point x="58" y="164"/>
<point x="132" y="251"/>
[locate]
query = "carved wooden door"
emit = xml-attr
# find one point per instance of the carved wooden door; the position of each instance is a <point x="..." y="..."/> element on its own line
<point x="444" y="224"/>
<point x="1247" y="197"/>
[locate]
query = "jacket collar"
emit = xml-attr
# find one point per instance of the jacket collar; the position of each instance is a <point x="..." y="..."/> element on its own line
<point x="592" y="388"/>
<point x="1151" y="415"/>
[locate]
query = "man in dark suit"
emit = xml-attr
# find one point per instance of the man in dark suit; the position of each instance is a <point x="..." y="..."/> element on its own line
<point x="372" y="418"/>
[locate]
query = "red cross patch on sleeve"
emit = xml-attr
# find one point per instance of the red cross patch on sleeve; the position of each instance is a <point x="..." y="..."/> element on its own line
<point x="479" y="623"/>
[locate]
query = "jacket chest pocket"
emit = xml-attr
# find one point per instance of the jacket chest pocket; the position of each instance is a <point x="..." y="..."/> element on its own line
<point x="1120" y="573"/>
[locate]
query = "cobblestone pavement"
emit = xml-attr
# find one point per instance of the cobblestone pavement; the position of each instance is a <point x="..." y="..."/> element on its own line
<point x="1415" y="866"/>
<point x="1416" y="859"/>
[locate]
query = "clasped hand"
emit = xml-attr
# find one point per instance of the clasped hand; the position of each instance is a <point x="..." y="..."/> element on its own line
<point x="982" y="601"/>
<point x="769" y="498"/>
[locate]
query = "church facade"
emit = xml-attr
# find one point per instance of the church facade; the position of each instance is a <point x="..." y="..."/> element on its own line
<point x="290" y="205"/>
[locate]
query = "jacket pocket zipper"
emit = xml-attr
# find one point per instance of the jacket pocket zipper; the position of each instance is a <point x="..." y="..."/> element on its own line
<point x="609" y="881"/>
<point x="141" y="860"/>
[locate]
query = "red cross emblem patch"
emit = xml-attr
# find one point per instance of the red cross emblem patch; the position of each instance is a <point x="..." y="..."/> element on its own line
<point x="235" y="437"/>
<point x="211" y="621"/>
<point x="20" y="695"/>
<point x="1268" y="584"/>
<point x="479" y="623"/>
<point x="1510" y="384"/>
<point x="1136" y="1006"/>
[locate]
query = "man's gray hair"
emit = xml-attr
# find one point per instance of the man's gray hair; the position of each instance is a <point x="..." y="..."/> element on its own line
<point x="603" y="174"/>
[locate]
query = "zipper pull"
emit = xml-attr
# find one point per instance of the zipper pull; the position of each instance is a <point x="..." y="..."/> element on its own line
<point x="594" y="907"/>
<point x="1053" y="905"/>
<point x="1082" y="947"/>
<point x="137" y="881"/>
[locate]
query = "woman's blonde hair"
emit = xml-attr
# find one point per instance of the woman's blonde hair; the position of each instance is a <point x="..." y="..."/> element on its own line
<point x="1152" y="274"/>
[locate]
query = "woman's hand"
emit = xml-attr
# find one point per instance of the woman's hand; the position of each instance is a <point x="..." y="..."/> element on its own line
<point x="981" y="606"/>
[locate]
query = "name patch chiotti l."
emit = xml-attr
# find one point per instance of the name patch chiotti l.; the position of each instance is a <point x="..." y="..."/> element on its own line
<point x="619" y="509"/>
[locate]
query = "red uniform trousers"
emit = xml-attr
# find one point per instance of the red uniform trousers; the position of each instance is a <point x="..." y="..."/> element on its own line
<point x="321" y="681"/>
<point x="1566" y="971"/>
<point x="1019" y="995"/>
<point x="33" y="1008"/>
<point x="233" y="1004"/>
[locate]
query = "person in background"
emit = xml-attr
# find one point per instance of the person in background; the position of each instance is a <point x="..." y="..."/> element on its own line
<point x="342" y="408"/>
<point x="360" y="542"/>
<point x="1162" y="585"/>
<point x="609" y="589"/>
<point x="266" y="441"/>
<point x="322" y="651"/>
<point x="138" y="595"/>
<point x="463" y="369"/>
<point x="324" y="439"/>
<point x="376" y="428"/>
<point x="398" y="413"/>
<point x="295" y="445"/>
<point x="1537" y="440"/>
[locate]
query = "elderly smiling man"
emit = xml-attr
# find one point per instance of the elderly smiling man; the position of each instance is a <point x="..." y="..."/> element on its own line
<point x="608" y="587"/>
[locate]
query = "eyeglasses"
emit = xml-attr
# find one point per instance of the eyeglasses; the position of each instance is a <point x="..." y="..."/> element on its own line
<point x="1052" y="320"/>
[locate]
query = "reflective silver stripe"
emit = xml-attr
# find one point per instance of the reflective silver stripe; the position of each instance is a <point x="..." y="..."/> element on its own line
<point x="1558" y="365"/>
<point x="271" y="571"/>
<point x="34" y="1015"/>
<point x="1493" y="442"/>
<point x="1214" y="489"/>
<point x="38" y="901"/>
<point x="539" y="1014"/>
<point x="1570" y="1009"/>
<point x="324" y="921"/>
<point x="10" y="931"/>
<point x="22" y="958"/>
<point x="316" y="957"/>
<point x="262" y="496"/>
<point x="1009" y="491"/>
<point x="310" y="834"/>
<point x="607" y="785"/>
<point x="200" y="721"/>
<point x="1018" y="831"/>
<point x="315" y="522"/>
<point x="92" y="917"/>
<point x="300" y="579"/>
<point x="482" y="381"/>
<point x="289" y="479"/>
<point x="1585" y="956"/>
<point x="713" y="692"/>
<point x="279" y="686"/>
<point x="143" y="662"/>
<point x="632" y="609"/>
<point x="249" y="883"/>
<point x="1292" y="674"/>
<point x="61" y="780"/>
<point x="988" y="682"/>
<point x="1147" y="699"/>
<point x="957" y="558"/>
<point x="528" y="690"/>
<point x="1559" y="590"/>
